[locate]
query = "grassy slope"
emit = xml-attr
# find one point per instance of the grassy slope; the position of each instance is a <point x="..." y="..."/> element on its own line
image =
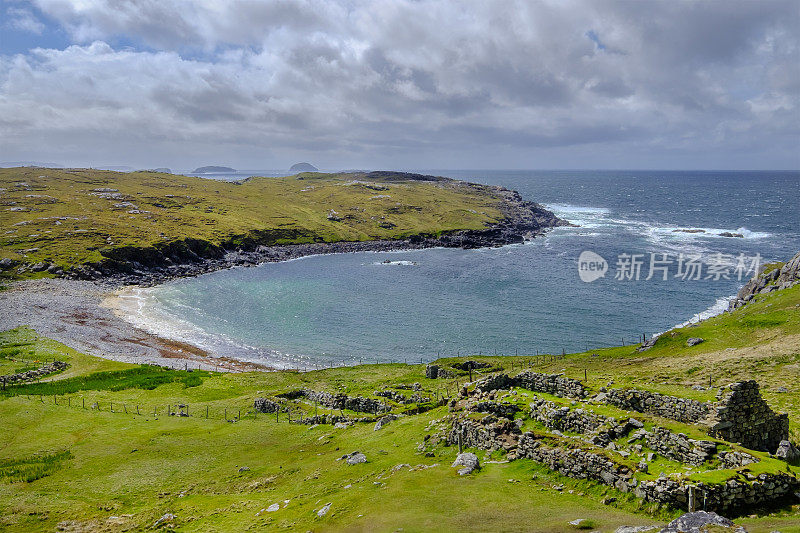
<point x="137" y="468"/>
<point x="50" y="214"/>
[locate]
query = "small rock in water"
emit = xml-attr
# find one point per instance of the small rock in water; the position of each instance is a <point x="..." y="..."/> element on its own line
<point x="469" y="462"/>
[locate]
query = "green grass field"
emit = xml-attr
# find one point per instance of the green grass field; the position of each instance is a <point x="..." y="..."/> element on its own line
<point x="73" y="217"/>
<point x="67" y="458"/>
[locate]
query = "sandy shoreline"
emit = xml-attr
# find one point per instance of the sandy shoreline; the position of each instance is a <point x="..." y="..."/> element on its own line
<point x="81" y="315"/>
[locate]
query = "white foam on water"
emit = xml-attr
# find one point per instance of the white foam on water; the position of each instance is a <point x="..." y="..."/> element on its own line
<point x="717" y="308"/>
<point x="396" y="263"/>
<point x="139" y="307"/>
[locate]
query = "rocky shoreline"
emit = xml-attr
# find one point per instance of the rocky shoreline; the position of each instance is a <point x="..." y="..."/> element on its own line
<point x="147" y="266"/>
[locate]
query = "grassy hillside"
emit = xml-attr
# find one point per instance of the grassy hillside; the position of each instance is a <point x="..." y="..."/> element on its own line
<point x="72" y="217"/>
<point x="69" y="459"/>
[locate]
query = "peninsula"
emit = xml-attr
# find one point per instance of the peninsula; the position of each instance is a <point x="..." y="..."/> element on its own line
<point x="146" y="227"/>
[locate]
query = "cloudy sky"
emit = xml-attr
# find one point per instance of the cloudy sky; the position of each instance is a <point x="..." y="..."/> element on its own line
<point x="401" y="84"/>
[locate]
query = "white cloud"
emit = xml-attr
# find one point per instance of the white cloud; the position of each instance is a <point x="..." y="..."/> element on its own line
<point x="416" y="82"/>
<point x="23" y="20"/>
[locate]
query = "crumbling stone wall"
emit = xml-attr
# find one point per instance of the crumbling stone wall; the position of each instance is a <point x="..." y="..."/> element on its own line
<point x="33" y="375"/>
<point x="555" y="384"/>
<point x="741" y="415"/>
<point x="562" y="418"/>
<point x="437" y="372"/>
<point x="490" y="433"/>
<point x="677" y="446"/>
<point x="577" y="463"/>
<point x="733" y="495"/>
<point x="673" y="407"/>
<point x="339" y="401"/>
<point x="505" y="410"/>
<point x="265" y="405"/>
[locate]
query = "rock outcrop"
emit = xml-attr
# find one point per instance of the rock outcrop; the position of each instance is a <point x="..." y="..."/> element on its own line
<point x="784" y="277"/>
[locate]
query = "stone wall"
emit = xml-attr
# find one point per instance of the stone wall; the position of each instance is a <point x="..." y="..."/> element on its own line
<point x="677" y="446"/>
<point x="401" y="398"/>
<point x="505" y="410"/>
<point x="577" y="463"/>
<point x="739" y="415"/>
<point x="265" y="405"/>
<point x="490" y="433"/>
<point x="339" y="401"/>
<point x="555" y="384"/>
<point x="673" y="407"/>
<point x="562" y="418"/>
<point x="437" y="372"/>
<point x="33" y="375"/>
<point x="733" y="495"/>
<point x="742" y="416"/>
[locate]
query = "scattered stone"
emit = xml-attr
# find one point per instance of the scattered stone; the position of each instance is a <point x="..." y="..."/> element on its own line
<point x="167" y="517"/>
<point x="694" y="341"/>
<point x="609" y="501"/>
<point x="274" y="507"/>
<point x="325" y="508"/>
<point x="383" y="421"/>
<point x="469" y="462"/>
<point x="700" y="521"/>
<point x="244" y="469"/>
<point x="354" y="458"/>
<point x="782" y="389"/>
<point x="634" y="529"/>
<point x="787" y="451"/>
<point x="578" y="522"/>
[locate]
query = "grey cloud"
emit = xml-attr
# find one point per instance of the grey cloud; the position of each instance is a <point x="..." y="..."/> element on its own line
<point x="412" y="78"/>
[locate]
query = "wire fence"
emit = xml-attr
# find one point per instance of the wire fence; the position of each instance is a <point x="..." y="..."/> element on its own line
<point x="290" y="411"/>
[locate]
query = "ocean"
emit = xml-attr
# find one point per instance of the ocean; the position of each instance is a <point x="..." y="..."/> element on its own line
<point x="521" y="299"/>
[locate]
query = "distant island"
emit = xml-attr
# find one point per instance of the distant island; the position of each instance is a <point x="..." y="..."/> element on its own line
<point x="303" y="167"/>
<point x="212" y="169"/>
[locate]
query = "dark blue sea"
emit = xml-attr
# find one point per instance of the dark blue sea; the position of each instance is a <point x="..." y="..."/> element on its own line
<point x="522" y="299"/>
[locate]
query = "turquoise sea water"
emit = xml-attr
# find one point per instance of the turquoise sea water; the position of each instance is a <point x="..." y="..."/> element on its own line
<point x="347" y="308"/>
